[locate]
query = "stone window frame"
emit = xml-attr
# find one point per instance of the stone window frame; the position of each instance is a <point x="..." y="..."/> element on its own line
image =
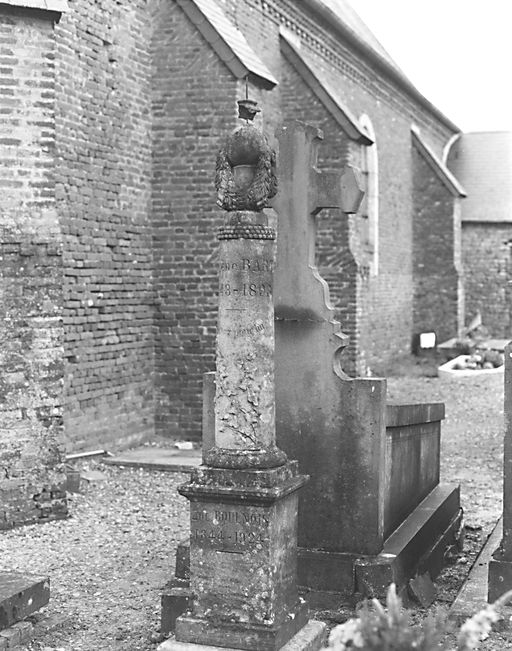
<point x="370" y="207"/>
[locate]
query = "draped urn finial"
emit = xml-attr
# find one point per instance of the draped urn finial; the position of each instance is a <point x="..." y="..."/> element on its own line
<point x="245" y="176"/>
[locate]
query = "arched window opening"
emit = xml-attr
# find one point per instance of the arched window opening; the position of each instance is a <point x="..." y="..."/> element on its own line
<point x="369" y="210"/>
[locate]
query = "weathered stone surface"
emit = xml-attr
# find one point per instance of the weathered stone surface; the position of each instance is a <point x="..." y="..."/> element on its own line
<point x="244" y="408"/>
<point x="208" y="421"/>
<point x="413" y="434"/>
<point x="310" y="638"/>
<point x="20" y="596"/>
<point x="500" y="567"/>
<point x="423" y="589"/>
<point x="244" y="500"/>
<point x="242" y="558"/>
<point x="366" y="476"/>
<point x="32" y="475"/>
<point x="333" y="425"/>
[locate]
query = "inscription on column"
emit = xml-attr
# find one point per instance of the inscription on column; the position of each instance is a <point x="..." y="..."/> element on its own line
<point x="246" y="267"/>
<point x="229" y="530"/>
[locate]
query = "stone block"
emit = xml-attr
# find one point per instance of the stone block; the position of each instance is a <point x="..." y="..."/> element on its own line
<point x="182" y="570"/>
<point x="176" y="599"/>
<point x="12" y="636"/>
<point x="20" y="596"/>
<point x="500" y="577"/>
<point x="242" y="562"/>
<point x="311" y="637"/>
<point x="416" y="547"/>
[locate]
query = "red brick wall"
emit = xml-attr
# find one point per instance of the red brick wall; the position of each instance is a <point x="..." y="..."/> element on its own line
<point x="103" y="190"/>
<point x="487" y="261"/>
<point x="31" y="470"/>
<point x="436" y="277"/>
<point x="194" y="105"/>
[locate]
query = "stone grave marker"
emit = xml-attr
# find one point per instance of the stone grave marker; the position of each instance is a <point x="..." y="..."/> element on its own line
<point x="500" y="567"/>
<point x="358" y="450"/>
<point x="243" y="500"/>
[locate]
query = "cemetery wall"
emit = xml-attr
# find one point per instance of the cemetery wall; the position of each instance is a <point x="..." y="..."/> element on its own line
<point x="487" y="261"/>
<point x="436" y="220"/>
<point x="194" y="106"/>
<point x="103" y="192"/>
<point x="31" y="471"/>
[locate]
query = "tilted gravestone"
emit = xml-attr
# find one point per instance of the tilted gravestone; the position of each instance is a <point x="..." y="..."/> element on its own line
<point x="372" y="466"/>
<point x="500" y="566"/>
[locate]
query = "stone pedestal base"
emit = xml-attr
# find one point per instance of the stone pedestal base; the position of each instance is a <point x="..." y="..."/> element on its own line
<point x="311" y="637"/>
<point x="243" y="565"/>
<point x="500" y="576"/>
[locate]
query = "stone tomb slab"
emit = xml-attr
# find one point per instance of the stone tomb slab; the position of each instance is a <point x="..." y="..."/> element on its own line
<point x="155" y="458"/>
<point x="20" y="596"/>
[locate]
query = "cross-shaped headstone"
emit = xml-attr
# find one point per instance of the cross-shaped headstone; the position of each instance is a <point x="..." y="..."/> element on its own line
<point x="303" y="192"/>
<point x="332" y="424"/>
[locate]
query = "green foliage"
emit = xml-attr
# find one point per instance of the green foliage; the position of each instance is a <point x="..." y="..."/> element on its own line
<point x="389" y="629"/>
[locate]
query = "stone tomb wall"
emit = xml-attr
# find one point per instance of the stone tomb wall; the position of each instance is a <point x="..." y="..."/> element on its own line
<point x="31" y="471"/>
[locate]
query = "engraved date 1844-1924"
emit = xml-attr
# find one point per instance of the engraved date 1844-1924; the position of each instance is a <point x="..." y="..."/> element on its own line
<point x="230" y="531"/>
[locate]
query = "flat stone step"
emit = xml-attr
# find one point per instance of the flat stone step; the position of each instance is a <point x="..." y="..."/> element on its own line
<point x="473" y="594"/>
<point x="20" y="596"/>
<point x="153" y="458"/>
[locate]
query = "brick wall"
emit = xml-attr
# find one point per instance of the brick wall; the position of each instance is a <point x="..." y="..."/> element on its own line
<point x="436" y="246"/>
<point x="194" y="106"/>
<point x="103" y="191"/>
<point x="487" y="261"/>
<point x="31" y="471"/>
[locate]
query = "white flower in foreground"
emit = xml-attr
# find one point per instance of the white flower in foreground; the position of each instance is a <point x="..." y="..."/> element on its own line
<point x="346" y="636"/>
<point x="477" y="628"/>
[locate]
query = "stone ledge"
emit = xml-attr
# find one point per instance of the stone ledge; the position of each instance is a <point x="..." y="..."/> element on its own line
<point x="401" y="415"/>
<point x="57" y="6"/>
<point x="15" y="635"/>
<point x="311" y="637"/>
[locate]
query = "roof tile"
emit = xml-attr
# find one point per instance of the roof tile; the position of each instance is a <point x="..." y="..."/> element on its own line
<point x="437" y="165"/>
<point x="228" y="41"/>
<point x="59" y="6"/>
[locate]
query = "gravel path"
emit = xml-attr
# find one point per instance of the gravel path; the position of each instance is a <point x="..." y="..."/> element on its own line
<point x="109" y="561"/>
<point x="107" y="564"/>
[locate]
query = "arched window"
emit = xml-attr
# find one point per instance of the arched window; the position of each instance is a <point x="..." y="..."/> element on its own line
<point x="369" y="210"/>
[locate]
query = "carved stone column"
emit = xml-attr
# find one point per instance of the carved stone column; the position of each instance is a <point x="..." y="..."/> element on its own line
<point x="244" y="500"/>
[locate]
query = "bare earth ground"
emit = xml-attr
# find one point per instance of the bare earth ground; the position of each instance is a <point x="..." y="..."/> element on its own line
<point x="109" y="561"/>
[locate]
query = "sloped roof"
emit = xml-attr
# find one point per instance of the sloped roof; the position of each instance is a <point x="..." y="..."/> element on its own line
<point x="324" y="89"/>
<point x="227" y="41"/>
<point x="443" y="173"/>
<point x="354" y="23"/>
<point x="46" y="5"/>
<point x="483" y="163"/>
<point x="341" y="18"/>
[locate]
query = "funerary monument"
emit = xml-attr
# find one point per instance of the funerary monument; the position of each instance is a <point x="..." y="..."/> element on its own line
<point x="244" y="499"/>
